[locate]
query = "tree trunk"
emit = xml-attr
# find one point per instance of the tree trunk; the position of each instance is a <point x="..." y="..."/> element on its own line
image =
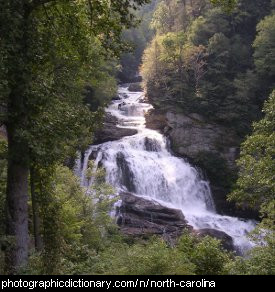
<point x="16" y="35"/>
<point x="35" y="211"/>
<point x="17" y="207"/>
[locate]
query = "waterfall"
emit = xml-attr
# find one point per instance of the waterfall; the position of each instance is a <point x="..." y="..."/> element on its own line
<point x="142" y="164"/>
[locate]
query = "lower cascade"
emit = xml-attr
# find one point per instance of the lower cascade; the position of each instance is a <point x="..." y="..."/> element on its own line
<point x="143" y="165"/>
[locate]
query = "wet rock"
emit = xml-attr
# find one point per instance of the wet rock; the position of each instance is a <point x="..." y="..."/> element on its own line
<point x="124" y="95"/>
<point x="93" y="155"/>
<point x="110" y="131"/>
<point x="142" y="217"/>
<point x="135" y="87"/>
<point x="116" y="98"/>
<point x="126" y="175"/>
<point x="226" y="240"/>
<point x="224" y="207"/>
<point x="121" y="105"/>
<point x="151" y="145"/>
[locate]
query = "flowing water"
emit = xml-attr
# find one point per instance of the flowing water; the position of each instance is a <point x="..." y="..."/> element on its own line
<point x="143" y="165"/>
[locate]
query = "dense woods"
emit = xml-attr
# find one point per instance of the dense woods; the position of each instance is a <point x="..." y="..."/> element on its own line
<point x="202" y="60"/>
<point x="60" y="63"/>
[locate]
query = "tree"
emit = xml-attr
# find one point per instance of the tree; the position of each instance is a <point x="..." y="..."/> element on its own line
<point x="22" y="25"/>
<point x="138" y="38"/>
<point x="255" y="186"/>
<point x="264" y="55"/>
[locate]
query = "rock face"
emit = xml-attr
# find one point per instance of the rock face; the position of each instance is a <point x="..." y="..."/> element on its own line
<point x="156" y="120"/>
<point x="110" y="131"/>
<point x="226" y="240"/>
<point x="191" y="135"/>
<point x="141" y="217"/>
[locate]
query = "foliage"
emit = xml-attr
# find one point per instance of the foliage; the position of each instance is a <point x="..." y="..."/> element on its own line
<point x="154" y="257"/>
<point x="201" y="60"/>
<point x="260" y="261"/>
<point x="75" y="225"/>
<point x="228" y="4"/>
<point x="49" y="51"/>
<point x="83" y="239"/>
<point x="205" y="254"/>
<point x="137" y="38"/>
<point x="150" y="258"/>
<point x="255" y="187"/>
<point x="264" y="52"/>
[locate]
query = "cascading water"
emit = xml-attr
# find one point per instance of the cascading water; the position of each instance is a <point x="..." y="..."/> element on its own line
<point x="143" y="165"/>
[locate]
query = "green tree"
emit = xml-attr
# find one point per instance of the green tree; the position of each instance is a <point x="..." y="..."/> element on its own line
<point x="24" y="25"/>
<point x="255" y="185"/>
<point x="264" y="56"/>
<point x="138" y="38"/>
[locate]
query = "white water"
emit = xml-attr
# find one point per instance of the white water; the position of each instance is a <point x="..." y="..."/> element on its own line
<point x="154" y="173"/>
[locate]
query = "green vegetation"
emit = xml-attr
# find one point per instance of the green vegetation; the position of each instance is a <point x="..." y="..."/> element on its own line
<point x="256" y="188"/>
<point x="79" y="236"/>
<point x="58" y="68"/>
<point x="219" y="63"/>
<point x="49" y="51"/>
<point x="201" y="60"/>
<point x="138" y="38"/>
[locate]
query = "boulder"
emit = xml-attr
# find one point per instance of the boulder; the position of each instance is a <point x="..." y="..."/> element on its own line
<point x="226" y="240"/>
<point x="142" y="217"/>
<point x="110" y="131"/>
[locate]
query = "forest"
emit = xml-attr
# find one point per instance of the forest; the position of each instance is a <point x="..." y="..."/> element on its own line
<point x="204" y="73"/>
